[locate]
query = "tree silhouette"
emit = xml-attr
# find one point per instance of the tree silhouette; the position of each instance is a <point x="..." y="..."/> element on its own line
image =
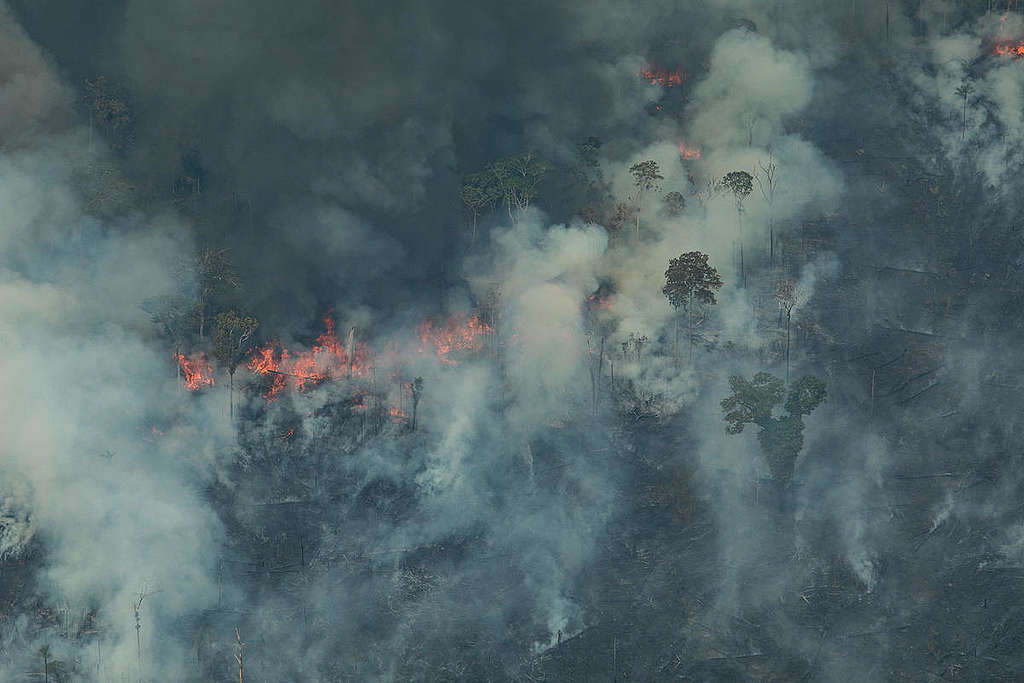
<point x="234" y="336"/>
<point x="516" y="179"/>
<point x="480" y="191"/>
<point x="108" y="110"/>
<point x="646" y="175"/>
<point x="174" y="316"/>
<point x="675" y="202"/>
<point x="416" y="389"/>
<point x="781" y="438"/>
<point x="214" y="274"/>
<point x="785" y="292"/>
<point x="768" y="181"/>
<point x="690" y="277"/>
<point x="741" y="184"/>
<point x="964" y="91"/>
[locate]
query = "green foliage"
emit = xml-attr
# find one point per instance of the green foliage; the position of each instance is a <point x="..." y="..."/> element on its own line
<point x="588" y="151"/>
<point x="646" y="175"/>
<point x="517" y="178"/>
<point x="234" y="334"/>
<point x="480" y="191"/>
<point x="514" y="180"/>
<point x="675" y="202"/>
<point x="215" y="274"/>
<point x="690" y="276"/>
<point x="781" y="438"/>
<point x="741" y="184"/>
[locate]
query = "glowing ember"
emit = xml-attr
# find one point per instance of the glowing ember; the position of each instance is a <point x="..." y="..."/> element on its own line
<point x="396" y="414"/>
<point x="458" y="334"/>
<point x="1016" y="50"/>
<point x="196" y="370"/>
<point x="596" y="301"/>
<point x="689" y="153"/>
<point x="664" y="77"/>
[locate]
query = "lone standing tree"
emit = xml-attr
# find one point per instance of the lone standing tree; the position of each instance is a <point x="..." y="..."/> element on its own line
<point x="785" y="292"/>
<point x="781" y="438"/>
<point x="741" y="184"/>
<point x="964" y="91"/>
<point x="646" y="175"/>
<point x="234" y="333"/>
<point x="690" y="276"/>
<point x="480" y="191"/>
<point x="416" y="389"/>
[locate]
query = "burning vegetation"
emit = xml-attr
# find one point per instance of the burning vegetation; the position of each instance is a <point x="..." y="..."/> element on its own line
<point x="456" y="335"/>
<point x="688" y="153"/>
<point x="331" y="358"/>
<point x="1014" y="49"/>
<point x="328" y="359"/>
<point x="664" y="77"/>
<point x="196" y="371"/>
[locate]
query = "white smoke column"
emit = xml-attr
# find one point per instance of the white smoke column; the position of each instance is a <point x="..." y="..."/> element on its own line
<point x="111" y="504"/>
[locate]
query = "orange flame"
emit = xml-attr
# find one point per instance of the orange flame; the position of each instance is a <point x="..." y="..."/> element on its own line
<point x="197" y="371"/>
<point x="688" y="153"/>
<point x="661" y="76"/>
<point x="327" y="360"/>
<point x="458" y="334"/>
<point x="1015" y="50"/>
<point x="397" y="414"/>
<point x="604" y="303"/>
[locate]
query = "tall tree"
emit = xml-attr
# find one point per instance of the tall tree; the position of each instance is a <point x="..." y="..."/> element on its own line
<point x="705" y="191"/>
<point x="785" y="293"/>
<point x="675" y="202"/>
<point x="239" y="656"/>
<point x="215" y="274"/>
<point x="964" y="91"/>
<point x="174" y="316"/>
<point x="646" y="175"/>
<point x="108" y="111"/>
<point x="781" y="438"/>
<point x="480" y="191"/>
<point x="144" y="593"/>
<point x="589" y="182"/>
<point x="768" y="182"/>
<point x="517" y="179"/>
<point x="44" y="653"/>
<point x="416" y="389"/>
<point x="690" y="278"/>
<point x="741" y="184"/>
<point x="234" y="337"/>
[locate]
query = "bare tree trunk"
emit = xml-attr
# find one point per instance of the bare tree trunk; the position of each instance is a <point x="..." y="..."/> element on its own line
<point x="872" y="392"/>
<point x="963" y="133"/>
<point x="689" y="322"/>
<point x="743" y="275"/>
<point x="789" y="313"/>
<point x="238" y="657"/>
<point x="231" y="395"/>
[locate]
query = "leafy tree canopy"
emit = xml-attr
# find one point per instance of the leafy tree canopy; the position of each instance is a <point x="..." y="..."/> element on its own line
<point x="781" y="438"/>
